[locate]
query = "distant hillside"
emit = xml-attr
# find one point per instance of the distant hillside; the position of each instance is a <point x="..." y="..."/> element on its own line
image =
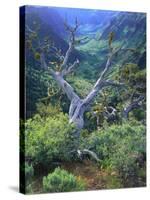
<point x="126" y="25"/>
<point x="129" y="33"/>
<point x="129" y="29"/>
<point x="50" y="25"/>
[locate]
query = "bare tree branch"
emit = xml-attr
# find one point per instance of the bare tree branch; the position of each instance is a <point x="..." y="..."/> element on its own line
<point x="82" y="154"/>
<point x="100" y="83"/>
<point x="112" y="83"/>
<point x="72" y="31"/>
<point x="45" y="66"/>
<point x="67" y="55"/>
<point x="135" y="104"/>
<point x="88" y="152"/>
<point x="70" y="69"/>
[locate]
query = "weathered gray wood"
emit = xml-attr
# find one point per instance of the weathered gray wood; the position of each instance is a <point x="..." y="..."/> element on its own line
<point x="133" y="105"/>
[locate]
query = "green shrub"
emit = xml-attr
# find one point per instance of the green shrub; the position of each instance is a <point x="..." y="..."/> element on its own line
<point x="48" y="140"/>
<point x="121" y="148"/>
<point x="62" y="181"/>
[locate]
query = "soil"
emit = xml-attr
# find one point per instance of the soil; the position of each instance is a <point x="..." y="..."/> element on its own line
<point x="89" y="172"/>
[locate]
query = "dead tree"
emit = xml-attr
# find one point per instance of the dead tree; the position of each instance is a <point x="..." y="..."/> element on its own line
<point x="78" y="106"/>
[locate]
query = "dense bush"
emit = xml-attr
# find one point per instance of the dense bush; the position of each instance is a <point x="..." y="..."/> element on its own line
<point x="121" y="148"/>
<point x="48" y="140"/>
<point x="62" y="181"/>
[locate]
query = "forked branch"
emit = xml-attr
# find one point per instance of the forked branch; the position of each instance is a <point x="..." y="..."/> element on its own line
<point x="72" y="31"/>
<point x="101" y="82"/>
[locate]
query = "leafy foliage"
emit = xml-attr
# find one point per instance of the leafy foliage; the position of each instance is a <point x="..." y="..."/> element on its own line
<point x="47" y="110"/>
<point x="48" y="140"/>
